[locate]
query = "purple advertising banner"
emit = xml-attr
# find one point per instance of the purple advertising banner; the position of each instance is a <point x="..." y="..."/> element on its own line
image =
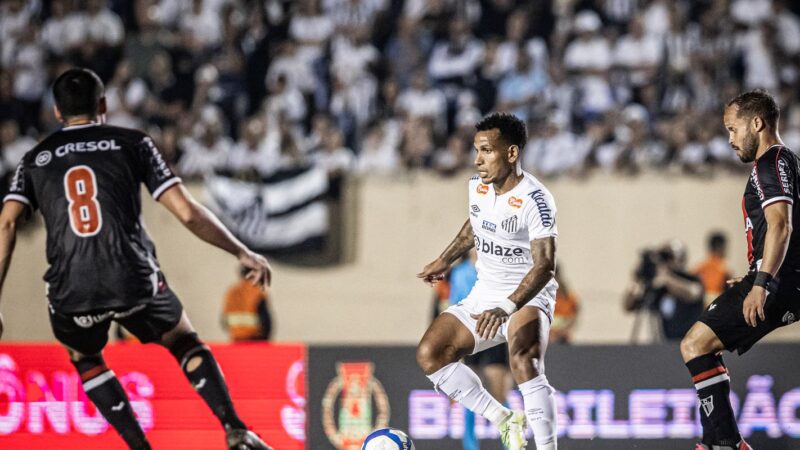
<point x="608" y="397"/>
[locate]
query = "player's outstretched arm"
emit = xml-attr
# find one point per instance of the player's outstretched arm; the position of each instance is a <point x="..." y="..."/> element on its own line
<point x="463" y="241"/>
<point x="205" y="225"/>
<point x="12" y="212"/>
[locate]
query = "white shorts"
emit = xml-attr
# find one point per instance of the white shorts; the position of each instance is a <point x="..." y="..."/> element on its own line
<point x="464" y="310"/>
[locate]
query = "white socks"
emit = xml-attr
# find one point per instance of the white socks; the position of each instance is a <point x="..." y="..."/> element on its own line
<point x="461" y="384"/>
<point x="540" y="409"/>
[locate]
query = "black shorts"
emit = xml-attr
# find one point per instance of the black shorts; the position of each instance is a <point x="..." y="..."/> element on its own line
<point x="87" y="332"/>
<point x="725" y="317"/>
<point x="494" y="355"/>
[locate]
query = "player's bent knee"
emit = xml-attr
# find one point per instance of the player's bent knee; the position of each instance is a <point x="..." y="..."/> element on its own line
<point x="186" y="349"/>
<point x="426" y="358"/>
<point x="697" y="343"/>
<point x="432" y="357"/>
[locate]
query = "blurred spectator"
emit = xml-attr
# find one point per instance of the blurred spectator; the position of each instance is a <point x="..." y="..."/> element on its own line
<point x="200" y="26"/>
<point x="379" y="152"/>
<point x="407" y="50"/>
<point x="285" y="99"/>
<point x="27" y="57"/>
<point x="787" y="24"/>
<point x="554" y="150"/>
<point x="207" y="149"/>
<point x="662" y="289"/>
<point x="245" y="313"/>
<point x="713" y="271"/>
<point x="253" y="156"/>
<point x="455" y="60"/>
<point x="589" y="57"/>
<point x="565" y="315"/>
<point x="336" y="159"/>
<point x="751" y="12"/>
<point x="516" y="33"/>
<point x="633" y="147"/>
<point x="422" y="101"/>
<point x="63" y="30"/>
<point x="310" y="28"/>
<point x="638" y="53"/>
<point x="15" y="19"/>
<point x="292" y="66"/>
<point x="760" y="58"/>
<point x="350" y="14"/>
<point x="521" y="87"/>
<point x="125" y="95"/>
<point x="12" y="145"/>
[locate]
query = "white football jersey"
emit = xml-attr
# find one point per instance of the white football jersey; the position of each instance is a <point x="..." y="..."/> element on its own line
<point x="504" y="226"/>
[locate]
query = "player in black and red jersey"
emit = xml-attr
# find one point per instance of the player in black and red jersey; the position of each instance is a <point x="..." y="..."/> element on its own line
<point x="85" y="179"/>
<point x="766" y="298"/>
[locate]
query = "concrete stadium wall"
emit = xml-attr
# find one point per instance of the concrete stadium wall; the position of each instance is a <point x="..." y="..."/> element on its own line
<point x="401" y="224"/>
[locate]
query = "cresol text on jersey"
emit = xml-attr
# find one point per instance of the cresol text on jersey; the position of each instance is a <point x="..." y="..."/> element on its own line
<point x="88" y="146"/>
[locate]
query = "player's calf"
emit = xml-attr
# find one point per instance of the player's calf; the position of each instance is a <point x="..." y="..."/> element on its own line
<point x="203" y="372"/>
<point x="105" y="391"/>
<point x="710" y="377"/>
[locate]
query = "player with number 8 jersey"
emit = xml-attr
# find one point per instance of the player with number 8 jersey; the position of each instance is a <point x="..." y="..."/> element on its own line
<point x="85" y="180"/>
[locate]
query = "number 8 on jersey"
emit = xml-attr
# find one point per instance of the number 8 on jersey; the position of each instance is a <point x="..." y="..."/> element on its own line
<point x="80" y="186"/>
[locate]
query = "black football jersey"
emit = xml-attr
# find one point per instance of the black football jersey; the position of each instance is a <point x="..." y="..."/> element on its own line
<point x="774" y="179"/>
<point x="85" y="180"/>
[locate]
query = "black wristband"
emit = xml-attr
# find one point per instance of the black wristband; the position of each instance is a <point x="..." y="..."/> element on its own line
<point x="762" y="279"/>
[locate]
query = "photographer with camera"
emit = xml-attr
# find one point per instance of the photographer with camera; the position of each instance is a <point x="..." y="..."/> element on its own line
<point x="663" y="289"/>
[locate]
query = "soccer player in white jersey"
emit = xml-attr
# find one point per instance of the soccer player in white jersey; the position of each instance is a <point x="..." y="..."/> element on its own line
<point x="512" y="225"/>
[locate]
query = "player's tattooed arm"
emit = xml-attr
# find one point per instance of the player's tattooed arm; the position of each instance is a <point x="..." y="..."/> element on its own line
<point x="543" y="252"/>
<point x="434" y="271"/>
<point x="463" y="241"/>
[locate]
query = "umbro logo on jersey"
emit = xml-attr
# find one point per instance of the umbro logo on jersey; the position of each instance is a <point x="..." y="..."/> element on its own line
<point x="515" y="202"/>
<point x="510" y="224"/>
<point x="488" y="226"/>
<point x="43" y="158"/>
<point x="482" y="189"/>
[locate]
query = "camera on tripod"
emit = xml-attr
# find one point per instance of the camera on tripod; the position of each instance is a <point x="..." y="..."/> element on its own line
<point x="649" y="261"/>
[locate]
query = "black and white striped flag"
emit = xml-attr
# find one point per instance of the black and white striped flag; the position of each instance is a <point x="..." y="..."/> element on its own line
<point x="283" y="211"/>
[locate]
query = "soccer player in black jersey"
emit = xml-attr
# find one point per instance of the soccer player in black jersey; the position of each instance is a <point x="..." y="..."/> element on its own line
<point x="85" y="179"/>
<point x="767" y="297"/>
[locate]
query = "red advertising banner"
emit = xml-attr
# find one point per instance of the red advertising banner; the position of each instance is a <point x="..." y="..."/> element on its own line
<point x="42" y="403"/>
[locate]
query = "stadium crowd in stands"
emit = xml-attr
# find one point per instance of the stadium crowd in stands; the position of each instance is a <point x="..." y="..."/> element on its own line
<point x="387" y="86"/>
